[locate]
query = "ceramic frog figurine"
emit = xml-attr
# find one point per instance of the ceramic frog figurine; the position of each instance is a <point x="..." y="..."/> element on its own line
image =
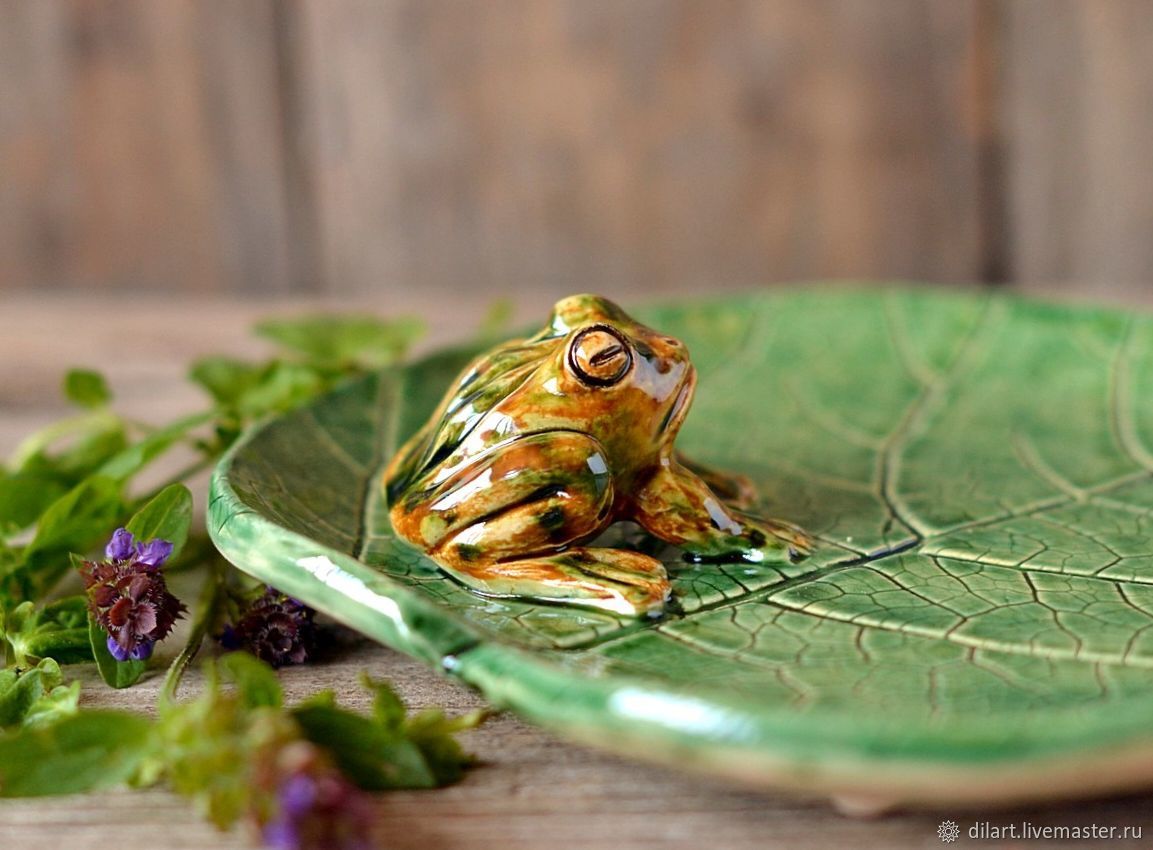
<point x="541" y="444"/>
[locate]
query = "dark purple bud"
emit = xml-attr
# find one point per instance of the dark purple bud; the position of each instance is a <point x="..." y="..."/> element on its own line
<point x="281" y="834"/>
<point x="122" y="545"/>
<point x="298" y="795"/>
<point x="228" y="639"/>
<point x="275" y="628"/>
<point x="153" y="553"/>
<point x="319" y="810"/>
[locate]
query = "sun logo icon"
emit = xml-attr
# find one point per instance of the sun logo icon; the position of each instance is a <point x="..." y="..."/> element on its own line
<point x="948" y="831"/>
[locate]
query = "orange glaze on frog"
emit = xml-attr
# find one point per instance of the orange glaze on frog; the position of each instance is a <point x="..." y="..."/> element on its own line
<point x="542" y="443"/>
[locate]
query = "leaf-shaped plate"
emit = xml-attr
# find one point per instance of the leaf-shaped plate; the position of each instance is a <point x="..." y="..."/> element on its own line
<point x="976" y="624"/>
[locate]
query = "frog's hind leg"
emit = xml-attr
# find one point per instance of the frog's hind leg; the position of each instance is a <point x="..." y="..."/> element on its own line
<point x="616" y="580"/>
<point x="511" y="524"/>
<point x="514" y="552"/>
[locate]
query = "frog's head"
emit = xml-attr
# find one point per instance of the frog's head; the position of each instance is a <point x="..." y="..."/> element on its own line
<point x="631" y="385"/>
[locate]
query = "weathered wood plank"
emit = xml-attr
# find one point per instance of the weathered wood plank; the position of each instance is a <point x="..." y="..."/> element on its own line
<point x="1078" y="89"/>
<point x="35" y="170"/>
<point x="679" y="144"/>
<point x="141" y="146"/>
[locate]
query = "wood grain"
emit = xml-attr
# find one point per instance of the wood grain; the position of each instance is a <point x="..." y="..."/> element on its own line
<point x="1078" y="123"/>
<point x="509" y="146"/>
<point x="531" y="790"/>
<point x="571" y="146"/>
<point x="141" y="146"/>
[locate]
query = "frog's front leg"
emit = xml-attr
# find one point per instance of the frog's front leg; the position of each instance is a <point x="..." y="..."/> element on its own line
<point x="679" y="507"/>
<point x="509" y="524"/>
<point x="733" y="488"/>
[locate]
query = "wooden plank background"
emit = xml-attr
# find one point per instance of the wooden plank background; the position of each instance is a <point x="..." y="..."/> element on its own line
<point x="373" y="146"/>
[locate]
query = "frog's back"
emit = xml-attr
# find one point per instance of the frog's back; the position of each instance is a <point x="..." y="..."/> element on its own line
<point x="484" y="383"/>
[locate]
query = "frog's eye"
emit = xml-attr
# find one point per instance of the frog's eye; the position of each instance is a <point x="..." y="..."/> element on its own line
<point x="600" y="356"/>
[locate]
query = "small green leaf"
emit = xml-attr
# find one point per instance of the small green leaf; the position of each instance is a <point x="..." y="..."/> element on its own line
<point x="24" y="496"/>
<point x="251" y="390"/>
<point x="62" y="701"/>
<point x="371" y="756"/>
<point x="77" y="521"/>
<point x="135" y="457"/>
<point x="89" y="441"/>
<point x="58" y="631"/>
<point x="168" y="516"/>
<point x="84" y="752"/>
<point x="18" y="619"/>
<point x="341" y="341"/>
<point x="282" y="386"/>
<point x="69" y="612"/>
<point x="68" y="646"/>
<point x="89" y="453"/>
<point x="78" y="517"/>
<point x="36" y="697"/>
<point x="389" y="749"/>
<point x="116" y="674"/>
<point x="256" y="682"/>
<point x="387" y="707"/>
<point x="225" y="378"/>
<point x="433" y="734"/>
<point x="86" y="388"/>
<point x="21" y="689"/>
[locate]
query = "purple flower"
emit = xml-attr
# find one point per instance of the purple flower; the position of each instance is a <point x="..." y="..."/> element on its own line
<point x="153" y="553"/>
<point x="317" y="808"/>
<point x="127" y="595"/>
<point x="276" y="628"/>
<point x="143" y="650"/>
<point x="121" y="547"/>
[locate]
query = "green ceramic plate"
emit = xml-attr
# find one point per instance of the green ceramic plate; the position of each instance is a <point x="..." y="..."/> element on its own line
<point x="977" y="624"/>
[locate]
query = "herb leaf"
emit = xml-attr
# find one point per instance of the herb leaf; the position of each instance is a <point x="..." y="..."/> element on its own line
<point x="373" y="757"/>
<point x="86" y="388"/>
<point x="89" y="750"/>
<point x="58" y="631"/>
<point x="389" y="749"/>
<point x="256" y="683"/>
<point x="72" y="523"/>
<point x="36" y="697"/>
<point x="24" y="496"/>
<point x="344" y="342"/>
<point x="116" y="674"/>
<point x="168" y="515"/>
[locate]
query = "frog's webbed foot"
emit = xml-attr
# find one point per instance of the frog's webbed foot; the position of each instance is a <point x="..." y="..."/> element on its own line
<point x="616" y="580"/>
<point x="761" y="533"/>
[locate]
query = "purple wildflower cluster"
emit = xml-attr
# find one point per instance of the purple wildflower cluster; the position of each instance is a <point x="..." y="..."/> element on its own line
<point x="276" y="628"/>
<point x="128" y="596"/>
<point x="317" y="808"/>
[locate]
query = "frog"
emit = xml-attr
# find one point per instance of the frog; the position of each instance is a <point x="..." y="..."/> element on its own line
<point x="540" y="444"/>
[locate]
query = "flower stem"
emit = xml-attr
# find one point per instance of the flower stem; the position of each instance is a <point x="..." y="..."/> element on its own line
<point x="188" y="471"/>
<point x="206" y="612"/>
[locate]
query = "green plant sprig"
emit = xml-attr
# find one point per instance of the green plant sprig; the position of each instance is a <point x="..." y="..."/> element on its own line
<point x="62" y="493"/>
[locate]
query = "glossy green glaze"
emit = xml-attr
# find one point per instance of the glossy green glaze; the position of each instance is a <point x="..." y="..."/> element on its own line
<point x="541" y="444"/>
<point x="975" y="623"/>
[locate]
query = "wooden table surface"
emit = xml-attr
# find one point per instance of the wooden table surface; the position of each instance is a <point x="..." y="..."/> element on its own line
<point x="531" y="790"/>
